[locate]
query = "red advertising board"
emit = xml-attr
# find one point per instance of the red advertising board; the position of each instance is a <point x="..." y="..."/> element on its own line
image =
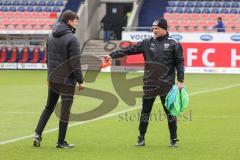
<point x="225" y="55"/>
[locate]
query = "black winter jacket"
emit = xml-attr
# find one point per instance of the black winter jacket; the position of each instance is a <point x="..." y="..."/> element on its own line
<point x="162" y="56"/>
<point x="63" y="55"/>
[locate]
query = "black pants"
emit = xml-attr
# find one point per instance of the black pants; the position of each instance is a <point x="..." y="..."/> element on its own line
<point x="54" y="91"/>
<point x="147" y="103"/>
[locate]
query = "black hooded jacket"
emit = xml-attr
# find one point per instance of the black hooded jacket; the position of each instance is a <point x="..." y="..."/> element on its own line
<point x="162" y="56"/>
<point x="63" y="55"/>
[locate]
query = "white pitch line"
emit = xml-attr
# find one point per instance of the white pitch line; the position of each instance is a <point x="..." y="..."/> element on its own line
<point x="3" y="112"/>
<point x="111" y="115"/>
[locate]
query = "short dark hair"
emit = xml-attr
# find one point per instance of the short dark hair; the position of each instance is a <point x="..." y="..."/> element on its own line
<point x="219" y="18"/>
<point x="68" y="15"/>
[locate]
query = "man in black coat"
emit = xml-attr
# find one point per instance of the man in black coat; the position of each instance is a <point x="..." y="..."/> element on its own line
<point x="64" y="72"/>
<point x="163" y="56"/>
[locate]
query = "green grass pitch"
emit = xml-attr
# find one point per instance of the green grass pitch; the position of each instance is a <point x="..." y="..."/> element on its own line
<point x="208" y="129"/>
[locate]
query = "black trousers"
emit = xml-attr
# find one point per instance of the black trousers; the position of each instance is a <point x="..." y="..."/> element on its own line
<point x="54" y="92"/>
<point x="147" y="103"/>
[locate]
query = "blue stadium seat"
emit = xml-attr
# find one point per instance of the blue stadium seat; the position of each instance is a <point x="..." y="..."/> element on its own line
<point x="215" y="10"/>
<point x="4" y="9"/>
<point x="216" y="4"/>
<point x="21" y="9"/>
<point x="56" y="9"/>
<point x="189" y="4"/>
<point x="12" y="9"/>
<point x="59" y="3"/>
<point x="47" y="9"/>
<point x="7" y="3"/>
<point x="207" y="4"/>
<point x="169" y="10"/>
<point x="15" y="3"/>
<point x="235" y="5"/>
<point x="197" y="10"/>
<point x="30" y="9"/>
<point x="224" y="10"/>
<point x="187" y="10"/>
<point x="33" y="3"/>
<point x="24" y="3"/>
<point x="180" y="4"/>
<point x="179" y="10"/>
<point x="41" y="3"/>
<point x="198" y="4"/>
<point x="206" y="10"/>
<point x="38" y="9"/>
<point x="170" y="3"/>
<point x="233" y="11"/>
<point x="50" y="3"/>
<point x="226" y="4"/>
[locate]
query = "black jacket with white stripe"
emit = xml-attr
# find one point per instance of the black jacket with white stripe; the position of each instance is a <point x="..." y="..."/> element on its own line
<point x="162" y="58"/>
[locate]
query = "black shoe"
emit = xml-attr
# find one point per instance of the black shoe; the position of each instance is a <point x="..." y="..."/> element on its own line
<point x="173" y="143"/>
<point x="141" y="141"/>
<point x="37" y="140"/>
<point x="64" y="145"/>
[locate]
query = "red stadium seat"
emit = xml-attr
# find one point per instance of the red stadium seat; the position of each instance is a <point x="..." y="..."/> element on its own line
<point x="41" y="21"/>
<point x="195" y="16"/>
<point x="28" y="27"/>
<point x="35" y="55"/>
<point x="202" y="23"/>
<point x="50" y="22"/>
<point x="44" y="15"/>
<point x="18" y="14"/>
<point x="32" y="21"/>
<point x="5" y="21"/>
<point x="211" y="23"/>
<point x="229" y="29"/>
<point x="2" y="15"/>
<point x="2" y="27"/>
<point x="200" y="29"/>
<point x="172" y="29"/>
<point x="191" y="29"/>
<point x="167" y="16"/>
<point x="37" y="27"/>
<point x="24" y="55"/>
<point x="10" y="27"/>
<point x="26" y="14"/>
<point x="13" y="55"/>
<point x="35" y="15"/>
<point x="3" y="54"/>
<point x="45" y="27"/>
<point x="53" y="15"/>
<point x="15" y="21"/>
<point x="19" y="27"/>
<point x="181" y="29"/>
<point x="9" y="14"/>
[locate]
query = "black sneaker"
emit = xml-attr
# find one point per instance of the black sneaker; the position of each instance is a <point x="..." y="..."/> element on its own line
<point x="141" y="141"/>
<point x="37" y="140"/>
<point x="64" y="145"/>
<point x="173" y="143"/>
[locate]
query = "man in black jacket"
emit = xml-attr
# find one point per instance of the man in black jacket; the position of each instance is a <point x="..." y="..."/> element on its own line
<point x="64" y="72"/>
<point x="163" y="56"/>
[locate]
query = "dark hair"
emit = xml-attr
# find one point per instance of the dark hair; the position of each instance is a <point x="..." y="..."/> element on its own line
<point x="219" y="18"/>
<point x="68" y="15"/>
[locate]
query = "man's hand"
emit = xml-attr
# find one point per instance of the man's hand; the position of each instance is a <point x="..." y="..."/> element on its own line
<point x="180" y="85"/>
<point x="107" y="58"/>
<point x="81" y="86"/>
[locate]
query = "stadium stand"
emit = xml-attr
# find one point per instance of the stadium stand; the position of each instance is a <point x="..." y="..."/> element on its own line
<point x="202" y="14"/>
<point x="20" y="14"/>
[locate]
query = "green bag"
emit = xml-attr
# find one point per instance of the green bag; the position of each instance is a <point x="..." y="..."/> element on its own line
<point x="176" y="100"/>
